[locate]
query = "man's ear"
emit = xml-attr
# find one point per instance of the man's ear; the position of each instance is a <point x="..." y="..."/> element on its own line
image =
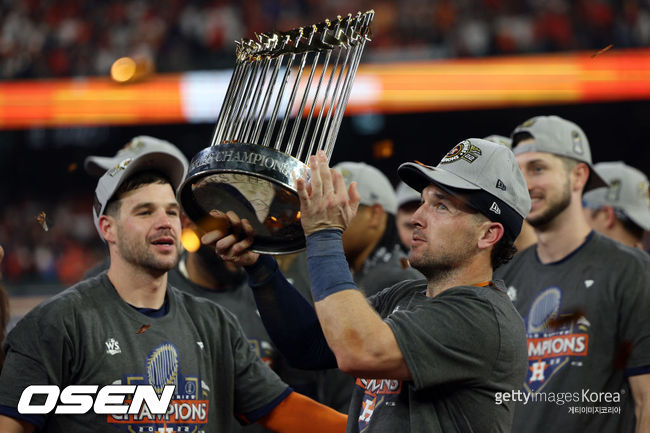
<point x="609" y="215"/>
<point x="186" y="221"/>
<point x="491" y="233"/>
<point x="580" y="176"/>
<point x="108" y="228"/>
<point x="377" y="215"/>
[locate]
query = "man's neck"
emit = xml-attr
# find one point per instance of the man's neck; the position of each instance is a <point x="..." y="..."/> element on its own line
<point x="562" y="236"/>
<point x="618" y="233"/>
<point x="137" y="287"/>
<point x="476" y="272"/>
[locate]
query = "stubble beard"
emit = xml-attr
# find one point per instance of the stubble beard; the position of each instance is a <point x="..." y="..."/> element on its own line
<point x="554" y="209"/>
<point x="444" y="265"/>
<point x="139" y="254"/>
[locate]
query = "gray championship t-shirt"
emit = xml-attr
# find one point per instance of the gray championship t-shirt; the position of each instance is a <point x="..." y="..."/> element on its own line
<point x="89" y="335"/>
<point x="462" y="347"/>
<point x="240" y="301"/>
<point x="385" y="267"/>
<point x="587" y="325"/>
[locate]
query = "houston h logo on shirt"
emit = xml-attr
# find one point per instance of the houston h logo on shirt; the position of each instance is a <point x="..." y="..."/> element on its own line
<point x="554" y="338"/>
<point x="377" y="393"/>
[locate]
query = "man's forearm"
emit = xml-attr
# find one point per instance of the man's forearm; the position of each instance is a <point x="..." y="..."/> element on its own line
<point x="288" y="317"/>
<point x="363" y="343"/>
<point x="640" y="386"/>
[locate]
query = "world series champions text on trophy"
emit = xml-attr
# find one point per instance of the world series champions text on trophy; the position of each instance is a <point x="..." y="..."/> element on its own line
<point x="285" y="101"/>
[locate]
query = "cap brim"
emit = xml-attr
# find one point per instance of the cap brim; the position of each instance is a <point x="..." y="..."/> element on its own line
<point x="97" y="165"/>
<point x="594" y="181"/>
<point x="419" y="176"/>
<point x="640" y="216"/>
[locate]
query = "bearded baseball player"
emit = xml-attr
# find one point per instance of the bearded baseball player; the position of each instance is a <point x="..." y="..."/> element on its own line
<point x="129" y="326"/>
<point x="584" y="297"/>
<point x="429" y="355"/>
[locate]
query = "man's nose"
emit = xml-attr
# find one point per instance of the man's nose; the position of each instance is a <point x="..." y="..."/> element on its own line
<point x="163" y="219"/>
<point x="415" y="220"/>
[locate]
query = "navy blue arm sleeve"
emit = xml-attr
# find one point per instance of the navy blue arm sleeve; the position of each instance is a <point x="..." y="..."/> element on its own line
<point x="38" y="421"/>
<point x="288" y="317"/>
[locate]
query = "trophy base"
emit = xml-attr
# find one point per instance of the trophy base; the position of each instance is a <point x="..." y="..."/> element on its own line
<point x="255" y="182"/>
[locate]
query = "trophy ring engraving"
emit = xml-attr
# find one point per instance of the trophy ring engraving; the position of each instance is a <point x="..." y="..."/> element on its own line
<point x="285" y="101"/>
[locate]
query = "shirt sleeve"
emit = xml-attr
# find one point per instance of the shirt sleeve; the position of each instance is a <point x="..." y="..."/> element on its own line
<point x="633" y="293"/>
<point x="289" y="318"/>
<point x="451" y="338"/>
<point x="258" y="389"/>
<point x="38" y="352"/>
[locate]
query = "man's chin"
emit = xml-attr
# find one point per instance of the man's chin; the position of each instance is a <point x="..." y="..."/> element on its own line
<point x="165" y="263"/>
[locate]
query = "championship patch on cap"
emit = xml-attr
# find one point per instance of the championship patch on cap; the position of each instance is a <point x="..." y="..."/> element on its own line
<point x="119" y="167"/>
<point x="463" y="150"/>
<point x="578" y="146"/>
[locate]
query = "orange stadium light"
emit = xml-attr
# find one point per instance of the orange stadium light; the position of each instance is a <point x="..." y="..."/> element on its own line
<point x="190" y="240"/>
<point x="130" y="70"/>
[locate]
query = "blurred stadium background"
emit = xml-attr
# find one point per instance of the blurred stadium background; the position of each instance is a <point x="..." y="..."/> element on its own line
<point x="436" y="72"/>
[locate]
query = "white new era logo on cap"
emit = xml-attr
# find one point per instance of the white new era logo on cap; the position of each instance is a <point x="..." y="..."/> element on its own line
<point x="495" y="208"/>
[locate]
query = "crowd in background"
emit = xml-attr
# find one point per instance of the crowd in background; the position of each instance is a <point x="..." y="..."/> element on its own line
<point x="58" y="256"/>
<point x="62" y="38"/>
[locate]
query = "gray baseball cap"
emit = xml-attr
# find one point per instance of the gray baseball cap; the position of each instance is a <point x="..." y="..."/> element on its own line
<point x="499" y="139"/>
<point x="628" y="191"/>
<point x="373" y="186"/>
<point x="485" y="173"/>
<point x="169" y="164"/>
<point x="97" y="165"/>
<point x="405" y="194"/>
<point x="553" y="134"/>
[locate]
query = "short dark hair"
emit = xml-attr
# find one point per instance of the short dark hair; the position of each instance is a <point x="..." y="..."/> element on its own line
<point x="135" y="181"/>
<point x="632" y="228"/>
<point x="409" y="206"/>
<point x="503" y="251"/>
<point x="628" y="225"/>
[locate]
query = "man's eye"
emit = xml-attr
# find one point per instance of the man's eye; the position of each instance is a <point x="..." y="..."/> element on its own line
<point x="172" y="213"/>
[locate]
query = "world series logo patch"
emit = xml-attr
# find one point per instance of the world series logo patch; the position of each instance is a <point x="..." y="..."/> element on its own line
<point x="463" y="150"/>
<point x="554" y="339"/>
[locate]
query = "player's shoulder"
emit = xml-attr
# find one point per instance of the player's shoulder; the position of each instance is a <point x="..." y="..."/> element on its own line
<point x="80" y="293"/>
<point x="66" y="305"/>
<point x="523" y="259"/>
<point x="198" y="307"/>
<point x="615" y="253"/>
<point x="493" y="293"/>
<point x="400" y="290"/>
